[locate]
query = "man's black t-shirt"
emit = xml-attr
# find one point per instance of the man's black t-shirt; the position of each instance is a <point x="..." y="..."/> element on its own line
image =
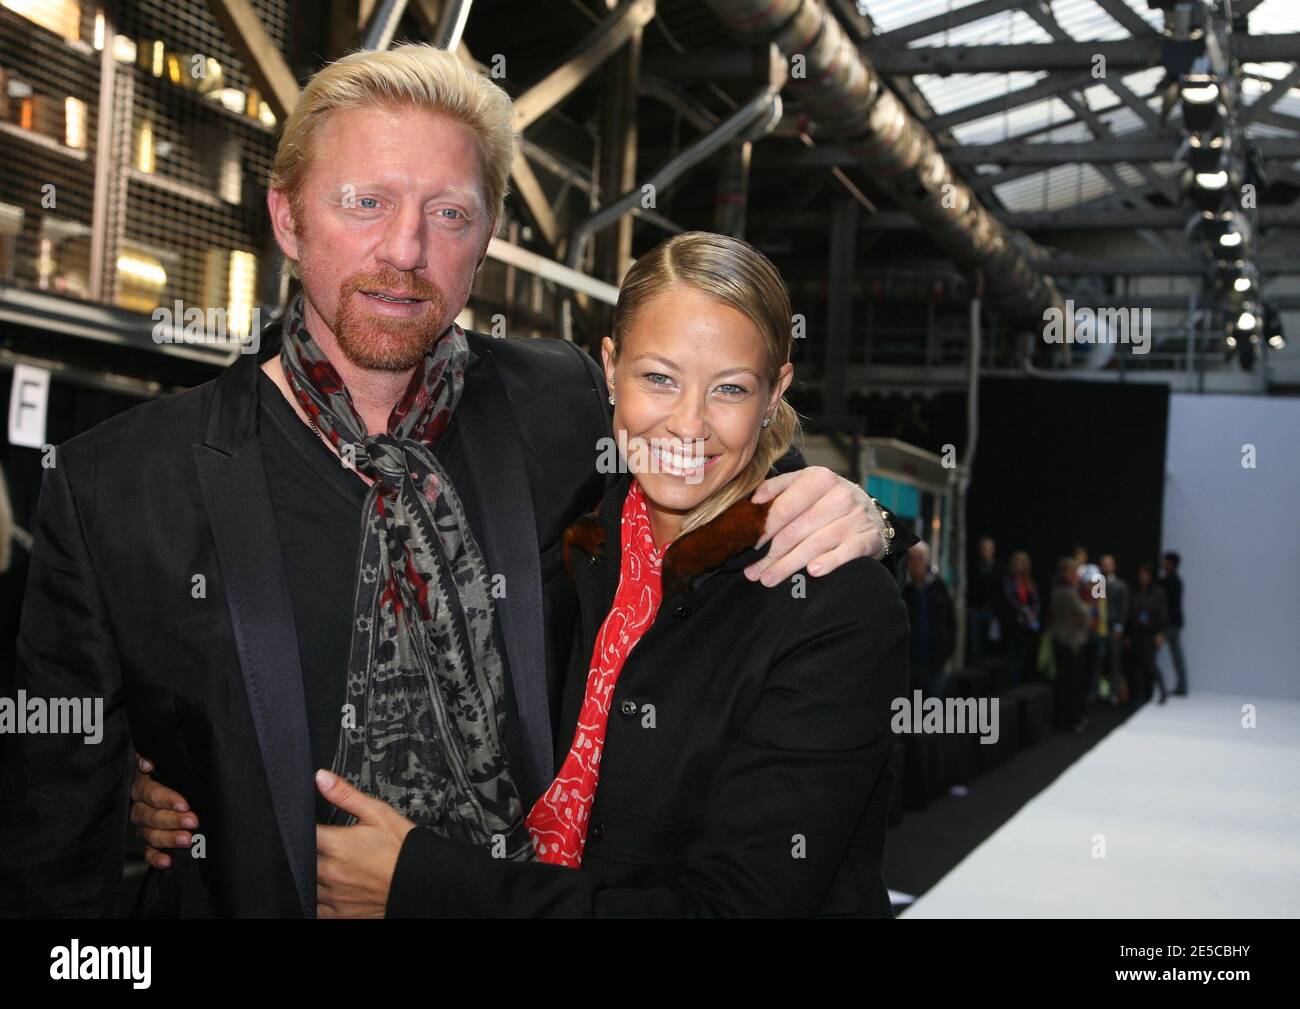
<point x="317" y="506"/>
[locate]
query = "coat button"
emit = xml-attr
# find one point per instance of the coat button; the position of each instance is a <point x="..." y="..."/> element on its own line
<point x="593" y="561"/>
<point x="681" y="612"/>
<point x="627" y="709"/>
<point x="597" y="832"/>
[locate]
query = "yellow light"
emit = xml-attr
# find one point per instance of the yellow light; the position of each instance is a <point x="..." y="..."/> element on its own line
<point x="158" y="54"/>
<point x="148" y="271"/>
<point x="74" y="122"/>
<point x="242" y="282"/>
<point x="266" y="116"/>
<point x="144" y="158"/>
<point x="233" y="99"/>
<point x="99" y="31"/>
<point x="124" y="49"/>
<point x="63" y="17"/>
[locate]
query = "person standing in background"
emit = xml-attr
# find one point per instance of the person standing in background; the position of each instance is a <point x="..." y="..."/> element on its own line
<point x="933" y="621"/>
<point x="983" y="595"/>
<point x="1068" y="626"/>
<point x="1118" y="600"/>
<point x="1172" y="583"/>
<point x="1022" y="608"/>
<point x="1090" y="588"/>
<point x="1146" y="634"/>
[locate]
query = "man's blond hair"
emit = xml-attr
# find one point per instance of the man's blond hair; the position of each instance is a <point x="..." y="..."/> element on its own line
<point x="406" y="76"/>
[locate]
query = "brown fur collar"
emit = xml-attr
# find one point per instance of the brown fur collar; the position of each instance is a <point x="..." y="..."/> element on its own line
<point x="734" y="531"/>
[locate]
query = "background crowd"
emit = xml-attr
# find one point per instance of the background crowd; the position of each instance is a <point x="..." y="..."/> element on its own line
<point x="1094" y="635"/>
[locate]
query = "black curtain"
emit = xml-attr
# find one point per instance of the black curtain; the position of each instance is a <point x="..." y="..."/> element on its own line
<point x="1066" y="462"/>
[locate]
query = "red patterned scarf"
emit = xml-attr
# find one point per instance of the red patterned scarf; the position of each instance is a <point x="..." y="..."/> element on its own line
<point x="558" y="822"/>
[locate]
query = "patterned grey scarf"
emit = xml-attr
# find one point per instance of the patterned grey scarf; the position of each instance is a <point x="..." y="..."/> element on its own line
<point x="424" y="676"/>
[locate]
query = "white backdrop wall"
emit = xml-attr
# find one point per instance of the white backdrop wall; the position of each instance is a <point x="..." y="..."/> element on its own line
<point x="1238" y="530"/>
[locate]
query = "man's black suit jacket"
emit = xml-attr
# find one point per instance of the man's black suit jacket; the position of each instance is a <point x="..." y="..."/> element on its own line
<point x="202" y="674"/>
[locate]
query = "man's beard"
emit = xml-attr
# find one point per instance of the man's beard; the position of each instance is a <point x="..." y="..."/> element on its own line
<point x="388" y="344"/>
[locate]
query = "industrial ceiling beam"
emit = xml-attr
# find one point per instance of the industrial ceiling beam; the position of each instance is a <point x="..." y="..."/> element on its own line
<point x="1117" y="150"/>
<point x="843" y="96"/>
<point x="1127" y="17"/>
<point x="1124" y="56"/>
<point x="1276" y="92"/>
<point x="382" y="26"/>
<point x="590" y="54"/>
<point x="1074" y="219"/>
<point x="1078" y="104"/>
<point x="258" y="53"/>
<point x="1048" y="87"/>
<point x="1168" y="266"/>
<point x="934" y="25"/>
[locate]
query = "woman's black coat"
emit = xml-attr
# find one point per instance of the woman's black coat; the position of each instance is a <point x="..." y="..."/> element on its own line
<point x="744" y="770"/>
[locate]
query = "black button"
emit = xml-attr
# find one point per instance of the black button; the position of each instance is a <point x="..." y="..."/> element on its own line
<point x="627" y="708"/>
<point x="597" y="832"/>
<point x="593" y="561"/>
<point x="681" y="612"/>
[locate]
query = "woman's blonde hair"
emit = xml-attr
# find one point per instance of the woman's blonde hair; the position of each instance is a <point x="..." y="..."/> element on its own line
<point x="739" y="275"/>
<point x="406" y="76"/>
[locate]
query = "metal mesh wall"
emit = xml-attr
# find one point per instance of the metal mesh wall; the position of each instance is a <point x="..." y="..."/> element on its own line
<point x="49" y="118"/>
<point x="186" y="151"/>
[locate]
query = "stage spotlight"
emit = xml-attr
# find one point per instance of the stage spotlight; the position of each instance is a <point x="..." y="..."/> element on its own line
<point x="1209" y="190"/>
<point x="1208" y="226"/>
<point x="1227" y="233"/>
<point x="1202" y="99"/>
<point x="1236" y="231"/>
<point x="1242" y="338"/>
<point x="1247" y="280"/>
<point x="1205" y="154"/>
<point x="1238" y="281"/>
<point x="1273" y="328"/>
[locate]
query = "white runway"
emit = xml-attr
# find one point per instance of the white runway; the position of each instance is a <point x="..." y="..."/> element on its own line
<point x="1199" y="817"/>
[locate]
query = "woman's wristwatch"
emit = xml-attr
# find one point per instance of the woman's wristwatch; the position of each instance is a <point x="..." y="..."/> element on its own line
<point x="888" y="526"/>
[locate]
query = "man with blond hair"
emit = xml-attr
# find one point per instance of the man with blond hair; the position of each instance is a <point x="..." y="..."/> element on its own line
<point x="342" y="553"/>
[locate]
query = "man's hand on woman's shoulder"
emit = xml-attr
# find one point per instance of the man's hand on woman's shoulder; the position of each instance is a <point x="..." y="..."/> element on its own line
<point x="817" y="521"/>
